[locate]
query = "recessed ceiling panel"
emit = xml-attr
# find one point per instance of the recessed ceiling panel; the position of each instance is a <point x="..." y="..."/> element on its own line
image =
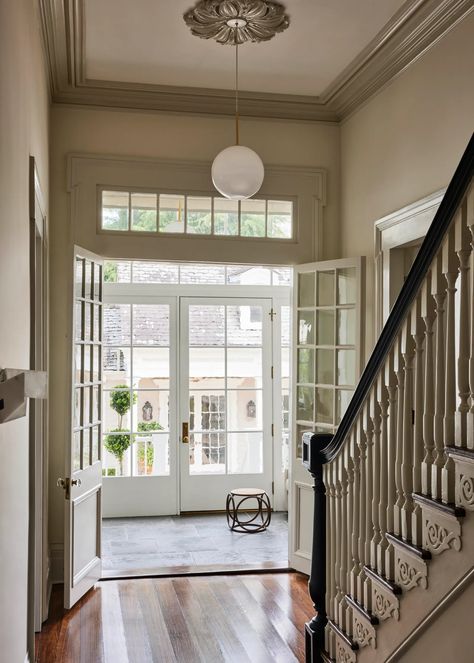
<point x="147" y="41"/>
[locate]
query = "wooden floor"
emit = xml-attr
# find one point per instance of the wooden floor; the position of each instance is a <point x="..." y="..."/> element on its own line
<point x="239" y="619"/>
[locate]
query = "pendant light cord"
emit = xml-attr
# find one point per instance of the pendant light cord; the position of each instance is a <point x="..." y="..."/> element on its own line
<point x="236" y="88"/>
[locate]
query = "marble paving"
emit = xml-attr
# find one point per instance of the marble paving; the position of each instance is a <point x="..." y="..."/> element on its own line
<point x="145" y="544"/>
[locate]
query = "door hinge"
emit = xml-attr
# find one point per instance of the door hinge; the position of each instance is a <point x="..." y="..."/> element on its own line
<point x="273" y="430"/>
<point x="413" y="417"/>
<point x="273" y="487"/>
<point x="272" y="372"/>
<point x="272" y="314"/>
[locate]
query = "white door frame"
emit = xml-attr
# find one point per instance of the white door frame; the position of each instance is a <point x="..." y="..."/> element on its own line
<point x="39" y="581"/>
<point x="280" y="295"/>
<point x="393" y="231"/>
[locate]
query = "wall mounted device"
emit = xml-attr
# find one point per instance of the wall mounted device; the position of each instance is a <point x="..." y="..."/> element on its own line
<point x="16" y="386"/>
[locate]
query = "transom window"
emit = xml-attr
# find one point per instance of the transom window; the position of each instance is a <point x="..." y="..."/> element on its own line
<point x="130" y="212"/>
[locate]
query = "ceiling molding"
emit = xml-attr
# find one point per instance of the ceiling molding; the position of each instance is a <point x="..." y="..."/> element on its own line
<point x="416" y="27"/>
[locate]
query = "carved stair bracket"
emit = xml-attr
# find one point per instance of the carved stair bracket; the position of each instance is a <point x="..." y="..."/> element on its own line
<point x="385" y="604"/>
<point x="441" y="526"/>
<point x="411" y="569"/>
<point x="344" y="654"/>
<point x="464" y="464"/>
<point x="364" y="631"/>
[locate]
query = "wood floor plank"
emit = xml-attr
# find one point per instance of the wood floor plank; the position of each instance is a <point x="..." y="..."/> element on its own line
<point x="274" y="607"/>
<point x="212" y="619"/>
<point x="113" y="629"/>
<point x="136" y="636"/>
<point x="232" y="648"/>
<point x="180" y="636"/>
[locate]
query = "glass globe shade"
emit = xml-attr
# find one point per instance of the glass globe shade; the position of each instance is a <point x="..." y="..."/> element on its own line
<point x="237" y="172"/>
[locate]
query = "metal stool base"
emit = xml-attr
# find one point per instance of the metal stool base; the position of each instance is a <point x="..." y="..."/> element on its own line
<point x="258" y="523"/>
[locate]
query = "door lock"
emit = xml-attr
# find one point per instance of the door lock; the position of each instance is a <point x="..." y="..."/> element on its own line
<point x="66" y="484"/>
<point x="185" y="433"/>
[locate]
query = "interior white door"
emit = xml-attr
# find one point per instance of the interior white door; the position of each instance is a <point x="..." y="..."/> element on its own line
<point x="327" y="341"/>
<point x="226" y="399"/>
<point x="82" y="482"/>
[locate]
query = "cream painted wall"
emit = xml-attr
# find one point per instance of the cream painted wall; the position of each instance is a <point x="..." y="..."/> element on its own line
<point x="24" y="109"/>
<point x="406" y="142"/>
<point x="139" y="134"/>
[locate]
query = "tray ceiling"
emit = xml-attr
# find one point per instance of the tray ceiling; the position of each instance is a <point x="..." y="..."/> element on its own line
<point x="147" y="41"/>
<point x="334" y="56"/>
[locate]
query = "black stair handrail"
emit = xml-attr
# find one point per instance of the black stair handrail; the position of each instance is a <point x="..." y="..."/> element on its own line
<point x="428" y="250"/>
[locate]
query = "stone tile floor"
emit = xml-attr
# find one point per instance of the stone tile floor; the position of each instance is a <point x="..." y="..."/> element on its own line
<point x="204" y="541"/>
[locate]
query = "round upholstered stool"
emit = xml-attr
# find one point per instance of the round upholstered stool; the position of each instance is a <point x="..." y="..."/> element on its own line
<point x="234" y="510"/>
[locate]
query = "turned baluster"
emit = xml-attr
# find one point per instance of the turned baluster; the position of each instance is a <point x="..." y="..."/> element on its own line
<point x="382" y="399"/>
<point x="418" y="382"/>
<point x="391" y="382"/>
<point x="400" y="374"/>
<point x="375" y="415"/>
<point x="344" y="480"/>
<point x="369" y="528"/>
<point x="355" y="570"/>
<point x="450" y="272"/>
<point x="463" y="251"/>
<point x="337" y="567"/>
<point x="428" y="315"/>
<point x="470" y="225"/>
<point x="438" y="291"/>
<point x="362" y="443"/>
<point x="407" y="347"/>
<point x="331" y="539"/>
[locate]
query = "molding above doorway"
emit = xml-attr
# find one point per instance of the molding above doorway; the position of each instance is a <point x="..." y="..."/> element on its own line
<point x="417" y="26"/>
<point x="408" y="224"/>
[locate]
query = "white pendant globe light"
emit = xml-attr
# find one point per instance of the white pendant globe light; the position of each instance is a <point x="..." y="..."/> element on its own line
<point x="237" y="172"/>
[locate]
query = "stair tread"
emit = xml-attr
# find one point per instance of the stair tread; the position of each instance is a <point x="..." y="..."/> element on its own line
<point x="448" y="508"/>
<point x="347" y="639"/>
<point x="365" y="613"/>
<point x="388" y="584"/>
<point x="460" y="452"/>
<point x="409" y="546"/>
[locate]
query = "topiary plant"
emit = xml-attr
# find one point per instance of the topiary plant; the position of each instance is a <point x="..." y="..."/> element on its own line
<point x="117" y="442"/>
<point x="120" y="402"/>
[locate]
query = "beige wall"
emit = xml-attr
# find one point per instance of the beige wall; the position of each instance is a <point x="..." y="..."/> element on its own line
<point x="23" y="132"/>
<point x="406" y="142"/>
<point x="155" y="135"/>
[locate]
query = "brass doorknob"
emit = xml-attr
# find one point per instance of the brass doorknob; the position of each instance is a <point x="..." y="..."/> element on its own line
<point x="185" y="433"/>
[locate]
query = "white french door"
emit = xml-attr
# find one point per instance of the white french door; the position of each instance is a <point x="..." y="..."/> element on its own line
<point x="225" y="399"/>
<point x="82" y="481"/>
<point x="327" y="335"/>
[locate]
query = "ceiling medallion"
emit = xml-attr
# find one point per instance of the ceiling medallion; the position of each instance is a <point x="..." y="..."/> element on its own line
<point x="237" y="21"/>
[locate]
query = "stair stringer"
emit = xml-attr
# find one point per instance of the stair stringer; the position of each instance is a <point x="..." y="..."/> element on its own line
<point x="444" y="572"/>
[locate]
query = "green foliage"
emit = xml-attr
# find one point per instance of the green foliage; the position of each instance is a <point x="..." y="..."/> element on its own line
<point x="150" y="453"/>
<point x="117" y="442"/>
<point x="144" y="219"/>
<point x="120" y="401"/>
<point x="110" y="272"/>
<point x="115" y="218"/>
<point x="144" y="426"/>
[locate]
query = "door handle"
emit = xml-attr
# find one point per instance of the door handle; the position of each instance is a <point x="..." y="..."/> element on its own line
<point x="66" y="484"/>
<point x="185" y="433"/>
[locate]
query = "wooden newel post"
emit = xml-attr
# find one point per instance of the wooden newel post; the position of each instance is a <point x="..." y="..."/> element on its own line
<point x="315" y="629"/>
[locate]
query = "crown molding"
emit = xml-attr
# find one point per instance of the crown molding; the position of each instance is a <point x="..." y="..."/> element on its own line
<point x="416" y="27"/>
